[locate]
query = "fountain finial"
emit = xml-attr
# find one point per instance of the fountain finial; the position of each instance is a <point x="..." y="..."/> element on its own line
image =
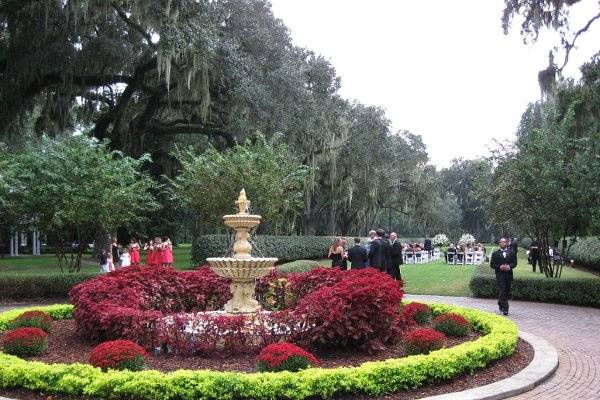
<point x="242" y="202"/>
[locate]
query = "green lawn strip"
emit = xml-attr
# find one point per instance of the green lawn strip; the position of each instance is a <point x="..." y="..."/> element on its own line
<point x="48" y="264"/>
<point x="372" y="378"/>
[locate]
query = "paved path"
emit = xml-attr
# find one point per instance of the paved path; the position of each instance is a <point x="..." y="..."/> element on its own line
<point x="574" y="331"/>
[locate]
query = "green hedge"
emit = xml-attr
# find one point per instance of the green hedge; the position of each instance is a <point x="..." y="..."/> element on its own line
<point x="586" y="251"/>
<point x="580" y="292"/>
<point x="285" y="248"/>
<point x="371" y="378"/>
<point x="32" y="287"/>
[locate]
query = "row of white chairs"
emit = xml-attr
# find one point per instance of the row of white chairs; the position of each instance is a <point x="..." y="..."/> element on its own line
<point x="420" y="257"/>
<point x="469" y="258"/>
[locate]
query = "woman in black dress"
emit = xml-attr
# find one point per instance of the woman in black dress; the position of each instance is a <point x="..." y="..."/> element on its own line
<point x="336" y="253"/>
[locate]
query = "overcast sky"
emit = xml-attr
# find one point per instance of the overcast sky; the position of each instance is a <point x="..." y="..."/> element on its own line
<point x="441" y="69"/>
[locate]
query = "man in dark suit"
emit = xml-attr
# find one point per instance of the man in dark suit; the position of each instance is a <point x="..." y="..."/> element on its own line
<point x="534" y="255"/>
<point x="376" y="256"/>
<point x="357" y="255"/>
<point x="387" y="253"/>
<point x="396" y="257"/>
<point x="503" y="261"/>
<point x="428" y="247"/>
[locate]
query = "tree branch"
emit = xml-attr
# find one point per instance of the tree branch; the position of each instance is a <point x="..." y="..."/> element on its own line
<point x="55" y="78"/>
<point x="115" y="114"/>
<point x="569" y="46"/>
<point x="133" y="25"/>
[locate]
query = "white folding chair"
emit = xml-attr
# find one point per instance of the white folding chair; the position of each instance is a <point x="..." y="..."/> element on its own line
<point x="410" y="258"/>
<point x="469" y="258"/>
<point x="460" y="258"/>
<point x="451" y="258"/>
<point x="478" y="258"/>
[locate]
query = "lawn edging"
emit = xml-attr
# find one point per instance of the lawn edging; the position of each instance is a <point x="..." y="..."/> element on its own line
<point x="542" y="367"/>
<point x="372" y="378"/>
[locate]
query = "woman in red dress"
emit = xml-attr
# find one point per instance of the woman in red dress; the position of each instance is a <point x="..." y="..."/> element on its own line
<point x="134" y="251"/>
<point x="150" y="254"/>
<point x="167" y="259"/>
<point x="159" y="252"/>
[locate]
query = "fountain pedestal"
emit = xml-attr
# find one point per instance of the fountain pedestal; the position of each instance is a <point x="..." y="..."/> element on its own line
<point x="242" y="268"/>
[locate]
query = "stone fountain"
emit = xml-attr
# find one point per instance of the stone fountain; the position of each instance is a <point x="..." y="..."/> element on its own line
<point x="242" y="268"/>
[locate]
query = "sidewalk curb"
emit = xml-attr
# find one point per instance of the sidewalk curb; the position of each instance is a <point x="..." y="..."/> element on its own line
<point x="543" y="365"/>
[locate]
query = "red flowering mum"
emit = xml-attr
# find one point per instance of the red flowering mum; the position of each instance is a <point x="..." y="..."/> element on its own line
<point x="424" y="341"/>
<point x="24" y="342"/>
<point x="119" y="354"/>
<point x="415" y="312"/>
<point x="285" y="357"/>
<point x="32" y="319"/>
<point x="452" y="325"/>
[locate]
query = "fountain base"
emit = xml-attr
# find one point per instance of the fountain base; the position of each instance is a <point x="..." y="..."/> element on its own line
<point x="243" y="301"/>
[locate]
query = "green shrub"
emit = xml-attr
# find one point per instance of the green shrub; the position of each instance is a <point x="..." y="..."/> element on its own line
<point x="586" y="251"/>
<point x="580" y="292"/>
<point x="31" y="287"/>
<point x="298" y="266"/>
<point x="285" y="248"/>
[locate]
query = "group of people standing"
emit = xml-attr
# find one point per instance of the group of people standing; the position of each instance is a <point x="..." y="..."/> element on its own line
<point x="383" y="253"/>
<point x="159" y="252"/>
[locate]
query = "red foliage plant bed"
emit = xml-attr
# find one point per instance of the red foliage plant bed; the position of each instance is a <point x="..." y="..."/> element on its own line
<point x="155" y="307"/>
<point x="32" y="319"/>
<point x="285" y="357"/>
<point x="127" y="304"/>
<point x="25" y="342"/>
<point x="424" y="341"/>
<point x="119" y="354"/>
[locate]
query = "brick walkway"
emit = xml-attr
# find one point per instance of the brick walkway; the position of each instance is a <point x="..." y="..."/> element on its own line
<point x="574" y="331"/>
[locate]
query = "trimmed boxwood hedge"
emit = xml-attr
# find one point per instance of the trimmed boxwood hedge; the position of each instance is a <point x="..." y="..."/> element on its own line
<point x="371" y="378"/>
<point x="586" y="251"/>
<point x="39" y="286"/>
<point x="580" y="292"/>
<point x="285" y="248"/>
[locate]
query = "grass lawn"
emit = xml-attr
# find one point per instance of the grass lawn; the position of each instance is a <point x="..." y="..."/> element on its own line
<point x="432" y="278"/>
<point x="48" y="264"/>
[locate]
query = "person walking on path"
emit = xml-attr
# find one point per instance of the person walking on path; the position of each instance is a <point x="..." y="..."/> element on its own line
<point x="503" y="261"/>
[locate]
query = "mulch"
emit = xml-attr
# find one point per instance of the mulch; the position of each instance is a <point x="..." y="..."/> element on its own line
<point x="67" y="346"/>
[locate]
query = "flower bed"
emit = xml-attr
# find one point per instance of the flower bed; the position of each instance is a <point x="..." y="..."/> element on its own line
<point x="285" y="357"/>
<point x="424" y="341"/>
<point x="32" y="319"/>
<point x="25" y="342"/>
<point x="119" y="354"/>
<point x="371" y="378"/>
